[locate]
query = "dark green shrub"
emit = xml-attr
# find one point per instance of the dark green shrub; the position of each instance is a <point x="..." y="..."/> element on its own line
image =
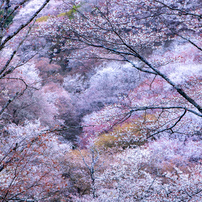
<point x="6" y="20"/>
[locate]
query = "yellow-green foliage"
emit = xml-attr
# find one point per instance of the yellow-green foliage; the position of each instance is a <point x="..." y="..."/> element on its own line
<point x="150" y="118"/>
<point x="43" y="19"/>
<point x="132" y="128"/>
<point x="8" y="20"/>
<point x="76" y="171"/>
<point x="76" y="155"/>
<point x="70" y="13"/>
<point x="106" y="141"/>
<point x="129" y="134"/>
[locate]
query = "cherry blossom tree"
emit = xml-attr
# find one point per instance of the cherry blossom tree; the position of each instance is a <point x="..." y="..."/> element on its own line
<point x="131" y="124"/>
<point x="131" y="32"/>
<point x="134" y="177"/>
<point x="10" y="31"/>
<point x="165" y="169"/>
<point x="30" y="168"/>
<point x="26" y="171"/>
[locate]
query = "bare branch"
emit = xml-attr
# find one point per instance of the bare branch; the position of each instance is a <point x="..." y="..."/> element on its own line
<point x="12" y="56"/>
<point x="23" y="25"/>
<point x="8" y="102"/>
<point x="191" y="42"/>
<point x="132" y="52"/>
<point x="182" y="11"/>
<point x="169" y="128"/>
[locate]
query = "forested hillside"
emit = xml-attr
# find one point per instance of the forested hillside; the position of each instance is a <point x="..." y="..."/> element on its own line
<point x="100" y="100"/>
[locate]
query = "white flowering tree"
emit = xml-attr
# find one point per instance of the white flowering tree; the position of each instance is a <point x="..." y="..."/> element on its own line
<point x="28" y="170"/>
<point x="165" y="170"/>
<point x="13" y="33"/>
<point x="30" y="166"/>
<point x="128" y="32"/>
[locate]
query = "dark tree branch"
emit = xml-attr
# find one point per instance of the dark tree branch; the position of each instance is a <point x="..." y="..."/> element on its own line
<point x="16" y="8"/>
<point x="15" y="96"/>
<point x="12" y="56"/>
<point x="169" y="128"/>
<point x="163" y="108"/>
<point x="23" y="25"/>
<point x="191" y="42"/>
<point x="135" y="54"/>
<point x="9" y="102"/>
<point x="182" y="11"/>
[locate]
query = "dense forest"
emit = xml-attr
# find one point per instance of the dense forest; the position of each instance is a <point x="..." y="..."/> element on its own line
<point x="100" y="100"/>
